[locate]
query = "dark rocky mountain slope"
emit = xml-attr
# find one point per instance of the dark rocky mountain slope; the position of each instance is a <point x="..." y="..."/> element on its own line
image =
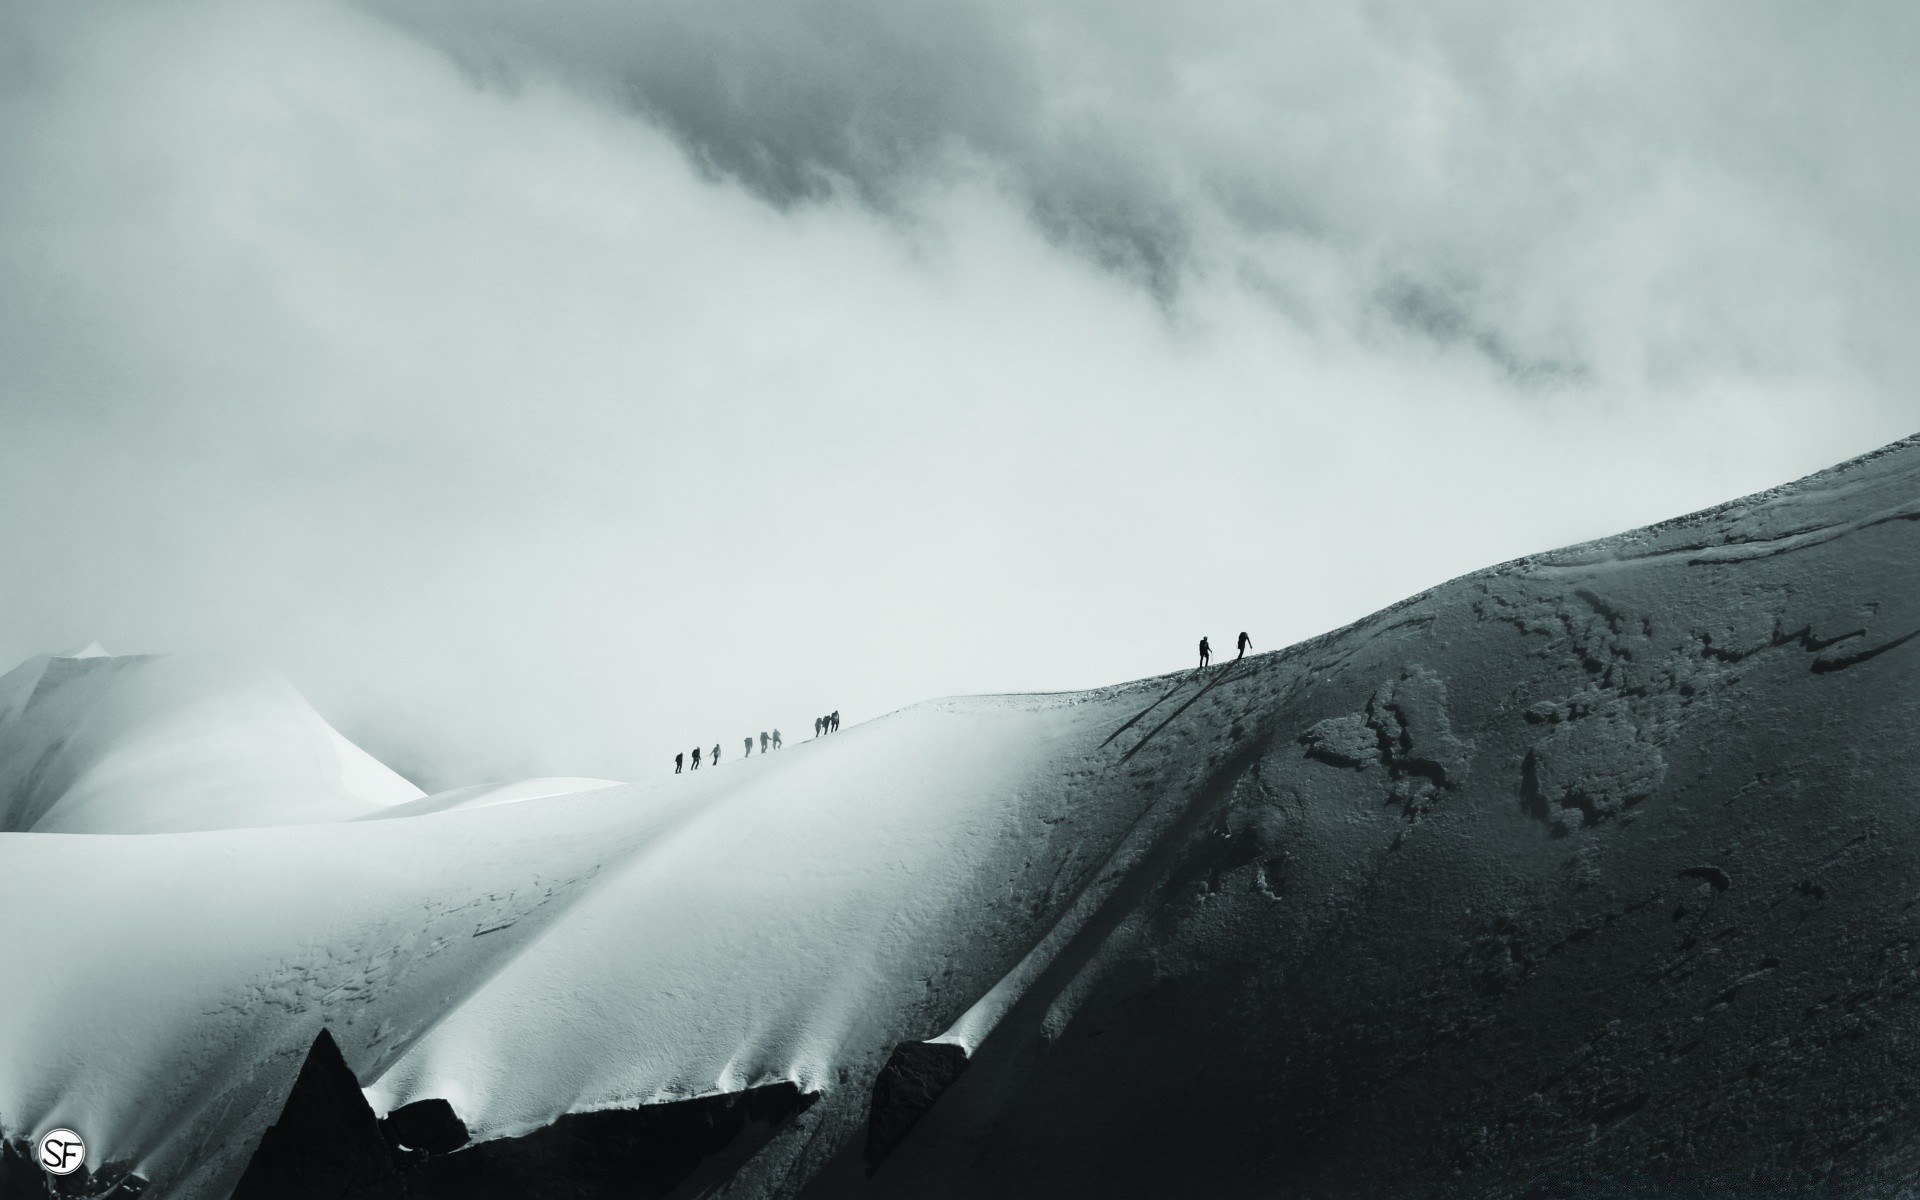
<point x="1594" y="873"/>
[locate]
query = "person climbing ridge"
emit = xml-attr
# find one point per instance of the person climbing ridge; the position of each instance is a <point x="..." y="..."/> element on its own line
<point x="716" y="752"/>
<point x="677" y="760"/>
<point x="835" y="718"/>
<point x="1206" y="652"/>
<point x="696" y="759"/>
<point x="1245" y="643"/>
<point x="748" y="752"/>
<point x="776" y="739"/>
<point x="816" y="727"/>
<point x="763" y="741"/>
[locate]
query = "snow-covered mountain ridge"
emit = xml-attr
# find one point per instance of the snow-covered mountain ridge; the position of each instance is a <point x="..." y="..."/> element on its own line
<point x="1595" y="863"/>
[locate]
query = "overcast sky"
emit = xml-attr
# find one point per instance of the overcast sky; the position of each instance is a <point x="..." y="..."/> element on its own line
<point x="545" y="388"/>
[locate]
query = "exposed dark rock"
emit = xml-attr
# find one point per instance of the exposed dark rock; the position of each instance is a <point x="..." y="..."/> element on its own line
<point x="326" y="1146"/>
<point x="326" y="1143"/>
<point x="913" y="1078"/>
<point x="635" y="1154"/>
<point x="429" y="1125"/>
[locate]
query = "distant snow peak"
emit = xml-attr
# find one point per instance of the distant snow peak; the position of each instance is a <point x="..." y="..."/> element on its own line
<point x="166" y="743"/>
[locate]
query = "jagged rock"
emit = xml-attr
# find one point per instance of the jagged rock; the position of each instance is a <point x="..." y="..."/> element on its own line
<point x="429" y="1125"/>
<point x="326" y="1144"/>
<point x="915" y="1075"/>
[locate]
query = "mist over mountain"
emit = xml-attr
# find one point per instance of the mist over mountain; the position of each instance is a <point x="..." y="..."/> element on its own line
<point x="481" y="366"/>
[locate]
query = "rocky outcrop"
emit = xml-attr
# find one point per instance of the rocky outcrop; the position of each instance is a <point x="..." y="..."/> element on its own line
<point x="638" y="1153"/>
<point x="426" y="1126"/>
<point x="912" y="1079"/>
<point x="326" y="1143"/>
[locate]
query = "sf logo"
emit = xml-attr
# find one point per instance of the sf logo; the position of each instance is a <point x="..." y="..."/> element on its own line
<point x="62" y="1152"/>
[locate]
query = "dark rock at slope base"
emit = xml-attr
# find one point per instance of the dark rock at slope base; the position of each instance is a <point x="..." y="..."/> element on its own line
<point x="428" y="1125"/>
<point x="1593" y="874"/>
<point x="326" y="1143"/>
<point x="636" y="1154"/>
<point x="914" y="1076"/>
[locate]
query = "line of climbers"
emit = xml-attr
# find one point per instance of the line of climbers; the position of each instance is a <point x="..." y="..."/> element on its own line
<point x="767" y="742"/>
<point x="831" y="722"/>
<point x="827" y="724"/>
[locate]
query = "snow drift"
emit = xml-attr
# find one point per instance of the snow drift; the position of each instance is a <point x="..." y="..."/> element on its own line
<point x="1597" y="866"/>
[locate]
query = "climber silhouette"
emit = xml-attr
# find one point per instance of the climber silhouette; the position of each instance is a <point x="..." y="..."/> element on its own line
<point x="696" y="759"/>
<point x="763" y="741"/>
<point x="776" y="739"/>
<point x="677" y="760"/>
<point x="1245" y="643"/>
<point x="748" y="752"/>
<point x="1206" y="652"/>
<point x="816" y="727"/>
<point x="716" y="752"/>
<point x="835" y="719"/>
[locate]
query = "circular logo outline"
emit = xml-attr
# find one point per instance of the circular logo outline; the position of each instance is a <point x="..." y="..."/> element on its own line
<point x="72" y="1151"/>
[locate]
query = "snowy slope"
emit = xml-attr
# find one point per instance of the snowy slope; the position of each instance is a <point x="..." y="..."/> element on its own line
<point x="483" y="795"/>
<point x="790" y="916"/>
<point x="1598" y="860"/>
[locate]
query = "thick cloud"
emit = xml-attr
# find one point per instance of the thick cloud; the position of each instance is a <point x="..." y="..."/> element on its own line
<point x="551" y="389"/>
<point x="1634" y="190"/>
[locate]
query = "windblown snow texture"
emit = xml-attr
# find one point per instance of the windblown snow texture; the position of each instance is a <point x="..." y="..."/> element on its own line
<point x="1593" y="874"/>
